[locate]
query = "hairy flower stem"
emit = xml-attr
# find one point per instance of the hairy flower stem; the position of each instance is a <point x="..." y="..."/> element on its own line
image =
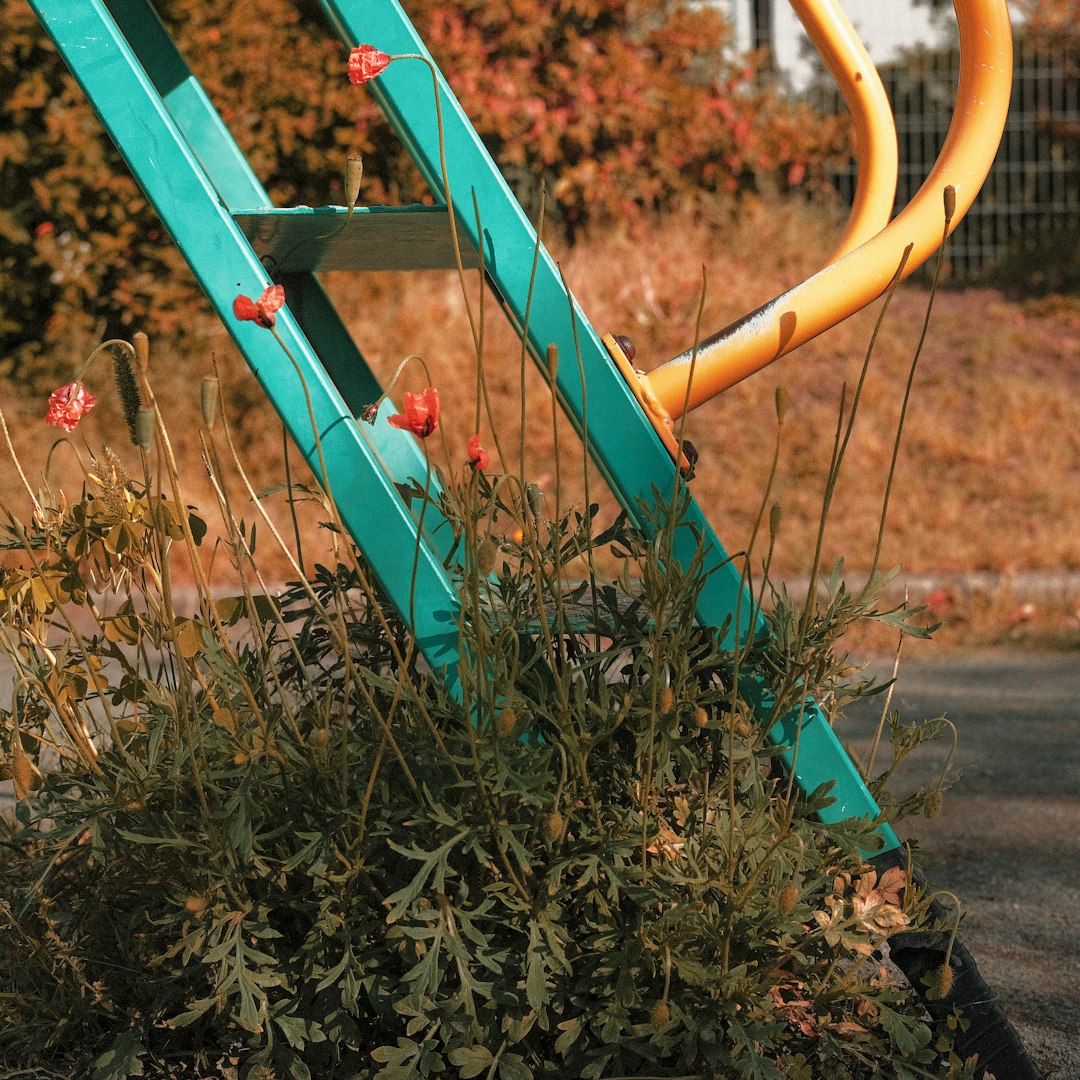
<point x="840" y="445"/>
<point x="523" y="355"/>
<point x="18" y="464"/>
<point x="950" y="206"/>
<point x="291" y="498"/>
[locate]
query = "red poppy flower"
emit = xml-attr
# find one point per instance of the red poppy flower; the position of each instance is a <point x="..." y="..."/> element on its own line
<point x="261" y="310"/>
<point x="365" y="62"/>
<point x="68" y="405"/>
<point x="421" y="415"/>
<point x="479" y="458"/>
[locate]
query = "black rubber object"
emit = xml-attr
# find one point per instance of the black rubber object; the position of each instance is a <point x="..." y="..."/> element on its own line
<point x="1001" y="1053"/>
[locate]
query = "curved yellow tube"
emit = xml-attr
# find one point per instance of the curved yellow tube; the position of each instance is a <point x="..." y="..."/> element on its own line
<point x="829" y="28"/>
<point x="846" y="286"/>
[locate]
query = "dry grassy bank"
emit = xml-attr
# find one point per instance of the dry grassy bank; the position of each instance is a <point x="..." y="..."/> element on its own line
<point x="989" y="473"/>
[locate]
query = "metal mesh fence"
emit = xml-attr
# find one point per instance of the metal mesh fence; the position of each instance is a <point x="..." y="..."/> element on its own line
<point x="1025" y="226"/>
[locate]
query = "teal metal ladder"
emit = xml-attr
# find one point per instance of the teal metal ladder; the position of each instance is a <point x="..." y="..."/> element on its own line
<point x="216" y="211"/>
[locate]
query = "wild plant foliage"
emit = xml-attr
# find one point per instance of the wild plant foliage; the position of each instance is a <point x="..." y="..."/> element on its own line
<point x="259" y="838"/>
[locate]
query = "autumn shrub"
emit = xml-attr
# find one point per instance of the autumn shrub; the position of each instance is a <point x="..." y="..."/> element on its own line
<point x="621" y="106"/>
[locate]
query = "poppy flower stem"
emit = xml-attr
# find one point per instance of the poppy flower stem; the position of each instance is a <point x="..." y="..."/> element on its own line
<point x="18" y="464"/>
<point x="419" y="538"/>
<point x="110" y="344"/>
<point x="369" y="412"/>
<point x="477" y="342"/>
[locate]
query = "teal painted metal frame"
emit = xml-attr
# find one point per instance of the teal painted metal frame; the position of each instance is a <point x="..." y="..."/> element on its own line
<point x="192" y="171"/>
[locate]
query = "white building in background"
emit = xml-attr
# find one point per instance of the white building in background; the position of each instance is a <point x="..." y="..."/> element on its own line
<point x="885" y="27"/>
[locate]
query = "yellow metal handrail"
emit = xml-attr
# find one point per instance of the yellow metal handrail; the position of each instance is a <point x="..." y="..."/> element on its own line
<point x="829" y="28"/>
<point x="861" y="276"/>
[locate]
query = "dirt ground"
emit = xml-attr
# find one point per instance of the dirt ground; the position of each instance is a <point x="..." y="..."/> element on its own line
<point x="1007" y="840"/>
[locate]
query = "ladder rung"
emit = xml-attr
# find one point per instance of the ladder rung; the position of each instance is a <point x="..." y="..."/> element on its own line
<point x="374" y="238"/>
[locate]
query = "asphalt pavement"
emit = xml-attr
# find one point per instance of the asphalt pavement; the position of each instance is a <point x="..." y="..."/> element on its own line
<point x="1007" y="839"/>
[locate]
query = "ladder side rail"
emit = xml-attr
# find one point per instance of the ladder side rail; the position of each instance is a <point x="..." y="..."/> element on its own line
<point x="240" y="188"/>
<point x="593" y="393"/>
<point x="135" y="117"/>
<point x="188" y="104"/>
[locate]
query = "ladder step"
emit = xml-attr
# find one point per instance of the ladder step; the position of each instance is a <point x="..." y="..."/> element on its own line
<point x="305" y="238"/>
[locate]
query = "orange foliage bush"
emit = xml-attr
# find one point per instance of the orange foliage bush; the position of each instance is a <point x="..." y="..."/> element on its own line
<point x="623" y="106"/>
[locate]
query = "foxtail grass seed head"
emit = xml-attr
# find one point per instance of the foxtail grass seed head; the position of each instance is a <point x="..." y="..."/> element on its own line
<point x="144" y="429"/>
<point x="127" y="386"/>
<point x="701" y="717"/>
<point x="667" y="701"/>
<point x="932" y="806"/>
<point x="354" y="173"/>
<point x="660" y="1014"/>
<point x="208" y="400"/>
<point x="555" y="825"/>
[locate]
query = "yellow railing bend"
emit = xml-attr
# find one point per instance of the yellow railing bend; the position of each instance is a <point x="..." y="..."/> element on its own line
<point x="829" y="28"/>
<point x="860" y="277"/>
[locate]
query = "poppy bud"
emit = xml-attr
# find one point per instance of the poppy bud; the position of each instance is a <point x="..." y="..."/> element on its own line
<point x="208" y="399"/>
<point x="144" y="429"/>
<point x="774" y="520"/>
<point x="788" y="898"/>
<point x="354" y="171"/>
<point x="486" y="554"/>
<point x="142" y="350"/>
<point x="943" y="980"/>
<point x="553" y="360"/>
